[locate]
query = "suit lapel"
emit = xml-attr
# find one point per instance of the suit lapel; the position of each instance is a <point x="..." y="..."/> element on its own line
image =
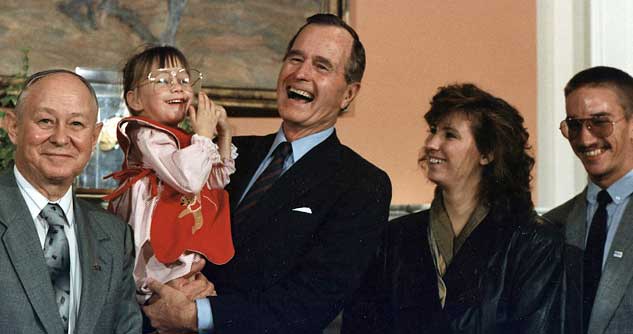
<point x="616" y="276"/>
<point x="575" y="231"/>
<point x="313" y="168"/>
<point x="25" y="253"/>
<point x="96" y="266"/>
<point x="251" y="155"/>
<point x="575" y="225"/>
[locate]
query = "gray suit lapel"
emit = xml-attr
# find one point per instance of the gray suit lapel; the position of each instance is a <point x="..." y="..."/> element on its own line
<point x="574" y="219"/>
<point x="616" y="276"/>
<point x="25" y="253"/>
<point x="575" y="225"/>
<point x="96" y="268"/>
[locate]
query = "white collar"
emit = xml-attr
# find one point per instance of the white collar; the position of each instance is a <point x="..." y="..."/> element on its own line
<point x="36" y="201"/>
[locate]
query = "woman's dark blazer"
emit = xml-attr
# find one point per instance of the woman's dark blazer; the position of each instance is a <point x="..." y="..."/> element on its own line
<point x="506" y="278"/>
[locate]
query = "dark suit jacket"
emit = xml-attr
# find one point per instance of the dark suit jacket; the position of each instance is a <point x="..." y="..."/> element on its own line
<point x="613" y="307"/>
<point x="27" y="300"/>
<point x="292" y="269"/>
<point x="506" y="278"/>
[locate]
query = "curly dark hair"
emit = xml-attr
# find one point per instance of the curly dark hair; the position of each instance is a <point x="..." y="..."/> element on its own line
<point x="498" y="131"/>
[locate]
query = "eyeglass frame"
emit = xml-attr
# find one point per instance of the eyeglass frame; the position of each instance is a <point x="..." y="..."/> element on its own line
<point x="173" y="74"/>
<point x="586" y="123"/>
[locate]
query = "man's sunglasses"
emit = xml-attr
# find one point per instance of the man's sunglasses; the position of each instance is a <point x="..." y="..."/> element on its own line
<point x="599" y="126"/>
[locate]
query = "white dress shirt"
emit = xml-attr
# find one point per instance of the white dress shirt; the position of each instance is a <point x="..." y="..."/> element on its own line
<point x="36" y="202"/>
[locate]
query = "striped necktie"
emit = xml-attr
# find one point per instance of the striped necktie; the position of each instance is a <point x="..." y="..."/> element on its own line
<point x="264" y="182"/>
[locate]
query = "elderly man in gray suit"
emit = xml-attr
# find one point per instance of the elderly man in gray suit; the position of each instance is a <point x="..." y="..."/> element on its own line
<point x="599" y="221"/>
<point x="65" y="265"/>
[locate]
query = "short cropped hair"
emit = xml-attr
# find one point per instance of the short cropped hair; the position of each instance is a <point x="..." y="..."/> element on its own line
<point x="604" y="76"/>
<point x="35" y="77"/>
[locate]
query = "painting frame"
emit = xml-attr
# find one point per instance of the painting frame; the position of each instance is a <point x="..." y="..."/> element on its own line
<point x="240" y="100"/>
<point x="253" y="102"/>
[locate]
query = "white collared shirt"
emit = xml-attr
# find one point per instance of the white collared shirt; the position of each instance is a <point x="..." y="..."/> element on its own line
<point x="36" y="202"/>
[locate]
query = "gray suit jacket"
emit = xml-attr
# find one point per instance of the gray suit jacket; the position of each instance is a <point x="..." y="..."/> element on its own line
<point x="106" y="252"/>
<point x="613" y="307"/>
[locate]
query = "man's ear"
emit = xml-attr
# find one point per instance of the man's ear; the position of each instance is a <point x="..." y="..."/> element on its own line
<point x="133" y="100"/>
<point x="350" y="93"/>
<point x="95" y="134"/>
<point x="10" y="125"/>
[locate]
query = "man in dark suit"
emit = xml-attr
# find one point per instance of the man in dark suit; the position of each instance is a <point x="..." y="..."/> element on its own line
<point x="65" y="265"/>
<point x="302" y="245"/>
<point x="599" y="221"/>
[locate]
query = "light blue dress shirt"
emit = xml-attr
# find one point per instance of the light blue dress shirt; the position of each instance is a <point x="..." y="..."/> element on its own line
<point x="300" y="147"/>
<point x="620" y="192"/>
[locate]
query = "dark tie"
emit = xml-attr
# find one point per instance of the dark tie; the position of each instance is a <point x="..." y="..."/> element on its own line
<point x="57" y="257"/>
<point x="264" y="181"/>
<point x="592" y="269"/>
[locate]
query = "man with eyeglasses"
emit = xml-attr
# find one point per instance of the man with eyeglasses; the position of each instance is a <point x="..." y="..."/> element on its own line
<point x="599" y="221"/>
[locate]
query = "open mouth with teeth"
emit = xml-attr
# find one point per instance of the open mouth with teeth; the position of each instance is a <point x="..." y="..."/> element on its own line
<point x="298" y="94"/>
<point x="593" y="153"/>
<point x="176" y="101"/>
<point x="435" y="161"/>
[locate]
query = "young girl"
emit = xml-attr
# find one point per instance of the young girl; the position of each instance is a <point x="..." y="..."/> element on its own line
<point x="171" y="184"/>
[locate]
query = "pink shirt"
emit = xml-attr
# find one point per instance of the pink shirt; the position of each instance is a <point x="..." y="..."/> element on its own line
<point x="187" y="170"/>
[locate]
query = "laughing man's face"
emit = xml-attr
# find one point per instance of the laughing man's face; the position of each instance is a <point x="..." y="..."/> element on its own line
<point x="311" y="87"/>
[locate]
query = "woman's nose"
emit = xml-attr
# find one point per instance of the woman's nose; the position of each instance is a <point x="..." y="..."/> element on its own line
<point x="431" y="142"/>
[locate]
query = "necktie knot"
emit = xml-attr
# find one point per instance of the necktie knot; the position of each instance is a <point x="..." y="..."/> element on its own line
<point x="604" y="198"/>
<point x="282" y="150"/>
<point x="53" y="215"/>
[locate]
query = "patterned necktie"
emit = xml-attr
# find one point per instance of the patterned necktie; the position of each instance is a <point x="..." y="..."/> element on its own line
<point x="57" y="257"/>
<point x="594" y="251"/>
<point x="264" y="182"/>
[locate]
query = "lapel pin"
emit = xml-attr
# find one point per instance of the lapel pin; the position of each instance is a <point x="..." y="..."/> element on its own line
<point x="617" y="254"/>
<point x="96" y="267"/>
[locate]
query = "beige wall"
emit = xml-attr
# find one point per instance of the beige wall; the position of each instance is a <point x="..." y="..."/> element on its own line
<point x="412" y="48"/>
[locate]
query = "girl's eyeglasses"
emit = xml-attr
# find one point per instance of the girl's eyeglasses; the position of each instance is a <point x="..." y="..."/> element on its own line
<point x="164" y="78"/>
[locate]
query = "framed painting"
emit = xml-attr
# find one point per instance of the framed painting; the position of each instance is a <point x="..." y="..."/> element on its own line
<point x="237" y="44"/>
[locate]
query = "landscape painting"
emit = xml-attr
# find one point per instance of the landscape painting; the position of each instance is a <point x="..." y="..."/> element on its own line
<point x="237" y="44"/>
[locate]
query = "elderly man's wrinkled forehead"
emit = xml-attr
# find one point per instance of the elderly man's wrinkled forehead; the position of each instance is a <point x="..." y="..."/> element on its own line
<point x="56" y="82"/>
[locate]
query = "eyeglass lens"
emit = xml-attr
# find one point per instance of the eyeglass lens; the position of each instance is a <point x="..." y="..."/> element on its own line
<point x="165" y="77"/>
<point x="599" y="127"/>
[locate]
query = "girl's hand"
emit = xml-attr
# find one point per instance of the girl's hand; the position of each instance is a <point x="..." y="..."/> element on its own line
<point x="204" y="120"/>
<point x="225" y="134"/>
<point x="224" y="128"/>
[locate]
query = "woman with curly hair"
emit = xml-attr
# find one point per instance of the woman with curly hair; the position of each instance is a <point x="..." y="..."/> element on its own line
<point x="479" y="260"/>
